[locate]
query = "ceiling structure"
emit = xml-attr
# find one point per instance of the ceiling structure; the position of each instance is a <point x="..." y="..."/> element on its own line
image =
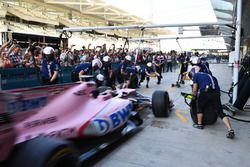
<point x="53" y="14"/>
<point x="225" y="11"/>
<point x="67" y="13"/>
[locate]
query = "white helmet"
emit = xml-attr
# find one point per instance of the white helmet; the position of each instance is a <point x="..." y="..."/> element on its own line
<point x="191" y="82"/>
<point x="48" y="50"/>
<point x="195" y="60"/>
<point x="149" y="64"/>
<point x="138" y="68"/>
<point x="100" y="77"/>
<point x="97" y="62"/>
<point x="106" y="59"/>
<point x="129" y="58"/>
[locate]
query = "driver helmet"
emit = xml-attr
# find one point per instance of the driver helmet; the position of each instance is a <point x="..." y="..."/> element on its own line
<point x="149" y="64"/>
<point x="128" y="58"/>
<point x="100" y="77"/>
<point x="106" y="59"/>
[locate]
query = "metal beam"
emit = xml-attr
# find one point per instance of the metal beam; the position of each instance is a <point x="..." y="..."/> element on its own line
<point x="225" y="19"/>
<point x="224" y="11"/>
<point x="79" y="29"/>
<point x="237" y="50"/>
<point x="103" y="13"/>
<point x="75" y="3"/>
<point x="179" y="37"/>
<point x="92" y="8"/>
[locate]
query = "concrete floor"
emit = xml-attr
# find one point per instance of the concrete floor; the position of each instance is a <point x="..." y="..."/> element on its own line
<point x="174" y="142"/>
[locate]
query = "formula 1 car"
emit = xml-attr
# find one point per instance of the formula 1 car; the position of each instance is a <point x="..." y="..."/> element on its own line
<point x="65" y="124"/>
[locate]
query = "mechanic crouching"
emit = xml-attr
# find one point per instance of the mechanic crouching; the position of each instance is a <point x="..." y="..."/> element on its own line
<point x="81" y="69"/>
<point x="207" y="92"/>
<point x="151" y="72"/>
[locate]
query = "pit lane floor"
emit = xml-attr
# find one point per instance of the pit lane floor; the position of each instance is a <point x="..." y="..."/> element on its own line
<point x="174" y="142"/>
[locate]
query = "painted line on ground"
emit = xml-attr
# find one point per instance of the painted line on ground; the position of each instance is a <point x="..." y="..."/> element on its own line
<point x="182" y="118"/>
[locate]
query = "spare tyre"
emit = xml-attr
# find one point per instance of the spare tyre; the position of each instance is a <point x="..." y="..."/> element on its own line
<point x="209" y="115"/>
<point x="160" y="103"/>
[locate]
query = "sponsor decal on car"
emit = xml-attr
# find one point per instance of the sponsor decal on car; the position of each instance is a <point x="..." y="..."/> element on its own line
<point x="62" y="133"/>
<point x="40" y="122"/>
<point x="27" y="104"/>
<point x="113" y="120"/>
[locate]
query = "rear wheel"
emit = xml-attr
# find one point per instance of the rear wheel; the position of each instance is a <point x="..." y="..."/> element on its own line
<point x="160" y="103"/>
<point x="45" y="152"/>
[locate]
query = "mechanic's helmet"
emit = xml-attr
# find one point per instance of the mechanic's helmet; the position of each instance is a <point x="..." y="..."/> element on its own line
<point x="48" y="53"/>
<point x="106" y="59"/>
<point x="138" y="68"/>
<point x="149" y="64"/>
<point x="128" y="58"/>
<point x="96" y="63"/>
<point x="100" y="77"/>
<point x="48" y="50"/>
<point x="195" y="60"/>
<point x="191" y="82"/>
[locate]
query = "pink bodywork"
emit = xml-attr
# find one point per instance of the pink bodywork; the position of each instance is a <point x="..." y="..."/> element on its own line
<point x="73" y="114"/>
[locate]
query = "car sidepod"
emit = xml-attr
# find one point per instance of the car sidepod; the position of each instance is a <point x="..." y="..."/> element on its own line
<point x="113" y="116"/>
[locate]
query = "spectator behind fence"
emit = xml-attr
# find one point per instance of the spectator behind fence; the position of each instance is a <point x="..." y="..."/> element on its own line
<point x="15" y="57"/>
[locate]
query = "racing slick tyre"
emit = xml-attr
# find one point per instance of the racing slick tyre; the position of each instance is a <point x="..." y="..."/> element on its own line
<point x="243" y="95"/>
<point x="45" y="152"/>
<point x="209" y="115"/>
<point x="160" y="103"/>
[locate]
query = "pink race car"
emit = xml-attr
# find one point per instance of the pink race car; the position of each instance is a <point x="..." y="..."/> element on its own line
<point x="65" y="124"/>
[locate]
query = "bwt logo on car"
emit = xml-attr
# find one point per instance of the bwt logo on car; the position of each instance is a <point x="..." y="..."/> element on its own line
<point x="115" y="119"/>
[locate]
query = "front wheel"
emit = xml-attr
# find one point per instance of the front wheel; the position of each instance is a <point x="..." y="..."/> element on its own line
<point x="160" y="103"/>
